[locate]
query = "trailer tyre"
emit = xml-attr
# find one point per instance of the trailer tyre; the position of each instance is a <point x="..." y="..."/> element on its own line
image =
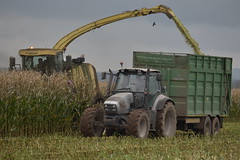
<point x="91" y="122"/>
<point x="215" y="126"/>
<point x="207" y="127"/>
<point x="138" y="124"/>
<point x="166" y="121"/>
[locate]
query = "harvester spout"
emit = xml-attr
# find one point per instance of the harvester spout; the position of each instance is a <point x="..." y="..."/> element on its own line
<point x="189" y="40"/>
<point x="66" y="40"/>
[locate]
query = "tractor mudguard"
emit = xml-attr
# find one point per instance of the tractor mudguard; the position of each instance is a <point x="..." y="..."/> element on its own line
<point x="160" y="102"/>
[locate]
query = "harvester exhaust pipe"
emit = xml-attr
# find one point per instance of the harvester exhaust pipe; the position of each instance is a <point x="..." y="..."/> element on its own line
<point x="12" y="63"/>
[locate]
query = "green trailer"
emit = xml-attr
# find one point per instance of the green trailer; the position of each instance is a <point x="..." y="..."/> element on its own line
<point x="199" y="85"/>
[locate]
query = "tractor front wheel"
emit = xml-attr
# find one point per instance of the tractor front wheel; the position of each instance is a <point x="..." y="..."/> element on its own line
<point x="91" y="122"/>
<point x="138" y="124"/>
<point x="166" y="121"/>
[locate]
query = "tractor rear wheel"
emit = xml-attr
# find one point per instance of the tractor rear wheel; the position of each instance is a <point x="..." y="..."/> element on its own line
<point x="166" y="121"/>
<point x="138" y="124"/>
<point x="215" y="126"/>
<point x="91" y="122"/>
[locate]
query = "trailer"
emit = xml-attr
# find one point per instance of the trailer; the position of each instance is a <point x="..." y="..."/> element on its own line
<point x="199" y="85"/>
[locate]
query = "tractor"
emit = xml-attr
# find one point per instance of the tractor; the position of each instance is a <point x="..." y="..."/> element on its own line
<point x="136" y="105"/>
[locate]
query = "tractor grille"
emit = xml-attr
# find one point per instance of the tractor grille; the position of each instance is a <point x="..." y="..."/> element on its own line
<point x="110" y="109"/>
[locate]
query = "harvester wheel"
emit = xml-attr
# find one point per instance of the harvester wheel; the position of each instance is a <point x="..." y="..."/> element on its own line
<point x="91" y="122"/>
<point x="138" y="124"/>
<point x="166" y="121"/>
<point x="215" y="126"/>
<point x="207" y="127"/>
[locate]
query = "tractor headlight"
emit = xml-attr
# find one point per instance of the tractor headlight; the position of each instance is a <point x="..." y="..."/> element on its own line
<point x="110" y="108"/>
<point x="114" y="107"/>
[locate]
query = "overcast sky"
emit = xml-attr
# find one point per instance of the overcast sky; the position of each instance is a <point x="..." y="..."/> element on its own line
<point x="214" y="24"/>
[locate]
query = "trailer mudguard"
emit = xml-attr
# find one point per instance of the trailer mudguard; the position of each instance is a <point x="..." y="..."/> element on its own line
<point x="160" y="101"/>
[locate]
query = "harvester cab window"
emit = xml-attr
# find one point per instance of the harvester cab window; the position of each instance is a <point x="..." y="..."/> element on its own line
<point x="32" y="62"/>
<point x="44" y="63"/>
<point x="39" y="62"/>
<point x="40" y="65"/>
<point x="28" y="63"/>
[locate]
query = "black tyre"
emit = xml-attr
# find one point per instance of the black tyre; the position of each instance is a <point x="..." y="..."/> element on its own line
<point x="166" y="121"/>
<point x="215" y="126"/>
<point x="207" y="127"/>
<point x="138" y="124"/>
<point x="110" y="132"/>
<point x="91" y="122"/>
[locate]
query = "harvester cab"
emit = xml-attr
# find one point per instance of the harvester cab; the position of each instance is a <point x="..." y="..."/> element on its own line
<point x="46" y="60"/>
<point x="136" y="103"/>
<point x="42" y="60"/>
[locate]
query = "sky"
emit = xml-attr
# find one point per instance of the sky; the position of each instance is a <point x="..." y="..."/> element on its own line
<point x="214" y="24"/>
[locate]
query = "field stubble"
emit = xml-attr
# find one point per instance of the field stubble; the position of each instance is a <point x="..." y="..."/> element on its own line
<point x="184" y="146"/>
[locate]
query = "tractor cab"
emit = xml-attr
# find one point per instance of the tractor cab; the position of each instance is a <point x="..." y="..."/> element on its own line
<point x="138" y="80"/>
<point x="143" y="84"/>
<point x="136" y="105"/>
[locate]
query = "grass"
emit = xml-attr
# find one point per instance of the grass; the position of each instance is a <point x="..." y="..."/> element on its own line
<point x="184" y="146"/>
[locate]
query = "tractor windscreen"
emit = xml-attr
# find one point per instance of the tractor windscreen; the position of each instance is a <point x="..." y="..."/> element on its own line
<point x="43" y="63"/>
<point x="130" y="82"/>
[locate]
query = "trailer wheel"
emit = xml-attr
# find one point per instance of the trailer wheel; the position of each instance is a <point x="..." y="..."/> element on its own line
<point x="138" y="124"/>
<point x="207" y="127"/>
<point x="215" y="126"/>
<point x="166" y="121"/>
<point x="92" y="122"/>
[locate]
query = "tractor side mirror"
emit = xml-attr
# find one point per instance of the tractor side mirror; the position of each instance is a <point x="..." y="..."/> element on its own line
<point x="104" y="75"/>
<point x="159" y="77"/>
<point x="12" y="63"/>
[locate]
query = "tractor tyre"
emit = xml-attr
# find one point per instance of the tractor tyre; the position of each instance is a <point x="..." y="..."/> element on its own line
<point x="91" y="122"/>
<point x="110" y="132"/>
<point x="138" y="124"/>
<point x="206" y="129"/>
<point x="166" y="121"/>
<point x="215" y="126"/>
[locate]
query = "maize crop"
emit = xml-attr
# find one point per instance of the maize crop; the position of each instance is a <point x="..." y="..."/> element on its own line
<point x="33" y="104"/>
